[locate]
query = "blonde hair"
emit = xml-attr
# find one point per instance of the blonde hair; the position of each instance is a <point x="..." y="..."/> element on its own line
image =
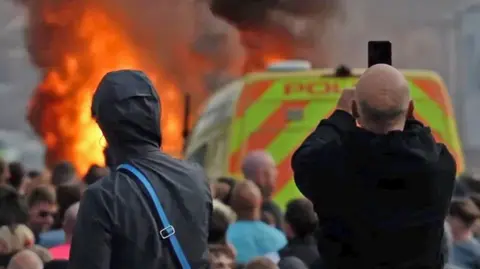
<point x="42" y="253"/>
<point x="15" y="238"/>
<point x="225" y="209"/>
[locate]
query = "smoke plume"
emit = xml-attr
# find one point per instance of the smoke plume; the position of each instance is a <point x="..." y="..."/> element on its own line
<point x="184" y="45"/>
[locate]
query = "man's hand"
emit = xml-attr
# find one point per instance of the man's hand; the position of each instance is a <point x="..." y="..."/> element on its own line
<point x="346" y="99"/>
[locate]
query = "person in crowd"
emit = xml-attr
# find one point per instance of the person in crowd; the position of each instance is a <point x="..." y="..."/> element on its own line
<point x="269" y="218"/>
<point x="14" y="238"/>
<point x="116" y="211"/>
<point x="4" y="172"/>
<point x="292" y="263"/>
<point x="42" y="204"/>
<point x="67" y="195"/>
<point x="300" y="224"/>
<point x="62" y="252"/>
<point x="221" y="257"/>
<point x="261" y="263"/>
<point x="218" y="205"/>
<point x="17" y="178"/>
<point x="249" y="235"/>
<point x="219" y="223"/>
<point x="260" y="167"/>
<point x="63" y="173"/>
<point x="223" y="189"/>
<point x="45" y="178"/>
<point x="13" y="207"/>
<point x="34" y="175"/>
<point x="386" y="181"/>
<point x="94" y="173"/>
<point x="466" y="249"/>
<point x="25" y="259"/>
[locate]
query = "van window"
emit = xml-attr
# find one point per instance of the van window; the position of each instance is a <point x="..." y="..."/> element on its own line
<point x="198" y="156"/>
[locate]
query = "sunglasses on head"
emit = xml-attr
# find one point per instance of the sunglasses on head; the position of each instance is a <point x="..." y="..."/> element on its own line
<point x="44" y="214"/>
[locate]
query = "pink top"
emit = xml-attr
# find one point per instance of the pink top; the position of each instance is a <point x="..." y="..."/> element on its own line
<point x="61" y="252"/>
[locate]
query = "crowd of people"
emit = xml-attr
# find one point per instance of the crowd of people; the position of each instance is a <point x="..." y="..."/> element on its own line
<point x="376" y="197"/>
<point x="247" y="228"/>
<point x="38" y="212"/>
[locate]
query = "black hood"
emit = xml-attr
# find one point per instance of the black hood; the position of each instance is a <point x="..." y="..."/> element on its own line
<point x="126" y="106"/>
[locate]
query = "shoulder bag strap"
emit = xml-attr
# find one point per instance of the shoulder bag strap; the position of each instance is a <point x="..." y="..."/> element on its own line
<point x="168" y="231"/>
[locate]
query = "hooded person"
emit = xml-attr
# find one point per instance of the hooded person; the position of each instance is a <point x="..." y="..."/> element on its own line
<point x="118" y="225"/>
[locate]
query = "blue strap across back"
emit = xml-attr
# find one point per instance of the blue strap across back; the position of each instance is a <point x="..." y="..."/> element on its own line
<point x="168" y="231"/>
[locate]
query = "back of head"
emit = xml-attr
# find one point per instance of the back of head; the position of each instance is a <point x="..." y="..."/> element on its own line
<point x="223" y="189"/>
<point x="465" y="210"/>
<point x="126" y="107"/>
<point x="17" y="174"/>
<point x="25" y="259"/>
<point x="301" y="217"/>
<point x="67" y="195"/>
<point x="42" y="252"/>
<point x="219" y="222"/>
<point x="221" y="256"/>
<point x="254" y="161"/>
<point x="70" y="218"/>
<point x="259" y="167"/>
<point x="261" y="263"/>
<point x="382" y="99"/>
<point x="246" y="198"/>
<point x="13" y="207"/>
<point x="34" y="174"/>
<point x="63" y="172"/>
<point x="42" y="194"/>
<point x="95" y="173"/>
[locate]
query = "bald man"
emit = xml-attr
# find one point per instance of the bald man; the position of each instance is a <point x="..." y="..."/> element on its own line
<point x="25" y="259"/>
<point x="259" y="167"/>
<point x="381" y="191"/>
<point x="249" y="235"/>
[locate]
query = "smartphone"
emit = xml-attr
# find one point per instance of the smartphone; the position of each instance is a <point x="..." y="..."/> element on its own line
<point x="379" y="52"/>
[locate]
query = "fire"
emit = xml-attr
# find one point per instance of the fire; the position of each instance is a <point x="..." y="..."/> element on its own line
<point x="74" y="43"/>
<point x="60" y="110"/>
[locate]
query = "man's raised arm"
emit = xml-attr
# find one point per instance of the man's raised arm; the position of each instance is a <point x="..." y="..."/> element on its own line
<point x="315" y="157"/>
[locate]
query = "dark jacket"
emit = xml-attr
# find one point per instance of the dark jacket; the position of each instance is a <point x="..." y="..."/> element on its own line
<point x="381" y="199"/>
<point x="303" y="248"/>
<point x="116" y="227"/>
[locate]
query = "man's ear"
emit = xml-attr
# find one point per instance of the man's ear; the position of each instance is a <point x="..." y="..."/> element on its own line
<point x="411" y="109"/>
<point x="355" y="113"/>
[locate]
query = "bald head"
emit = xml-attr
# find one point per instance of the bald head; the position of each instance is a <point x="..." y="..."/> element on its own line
<point x="70" y="218"/>
<point x="382" y="97"/>
<point x="25" y="259"/>
<point x="260" y="167"/>
<point x="246" y="198"/>
<point x="255" y="161"/>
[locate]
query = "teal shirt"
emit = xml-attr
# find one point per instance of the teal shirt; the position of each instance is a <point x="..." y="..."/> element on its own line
<point x="254" y="238"/>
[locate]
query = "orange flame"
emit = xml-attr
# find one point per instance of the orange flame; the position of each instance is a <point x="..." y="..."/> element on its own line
<point x="76" y="45"/>
<point x="66" y="125"/>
